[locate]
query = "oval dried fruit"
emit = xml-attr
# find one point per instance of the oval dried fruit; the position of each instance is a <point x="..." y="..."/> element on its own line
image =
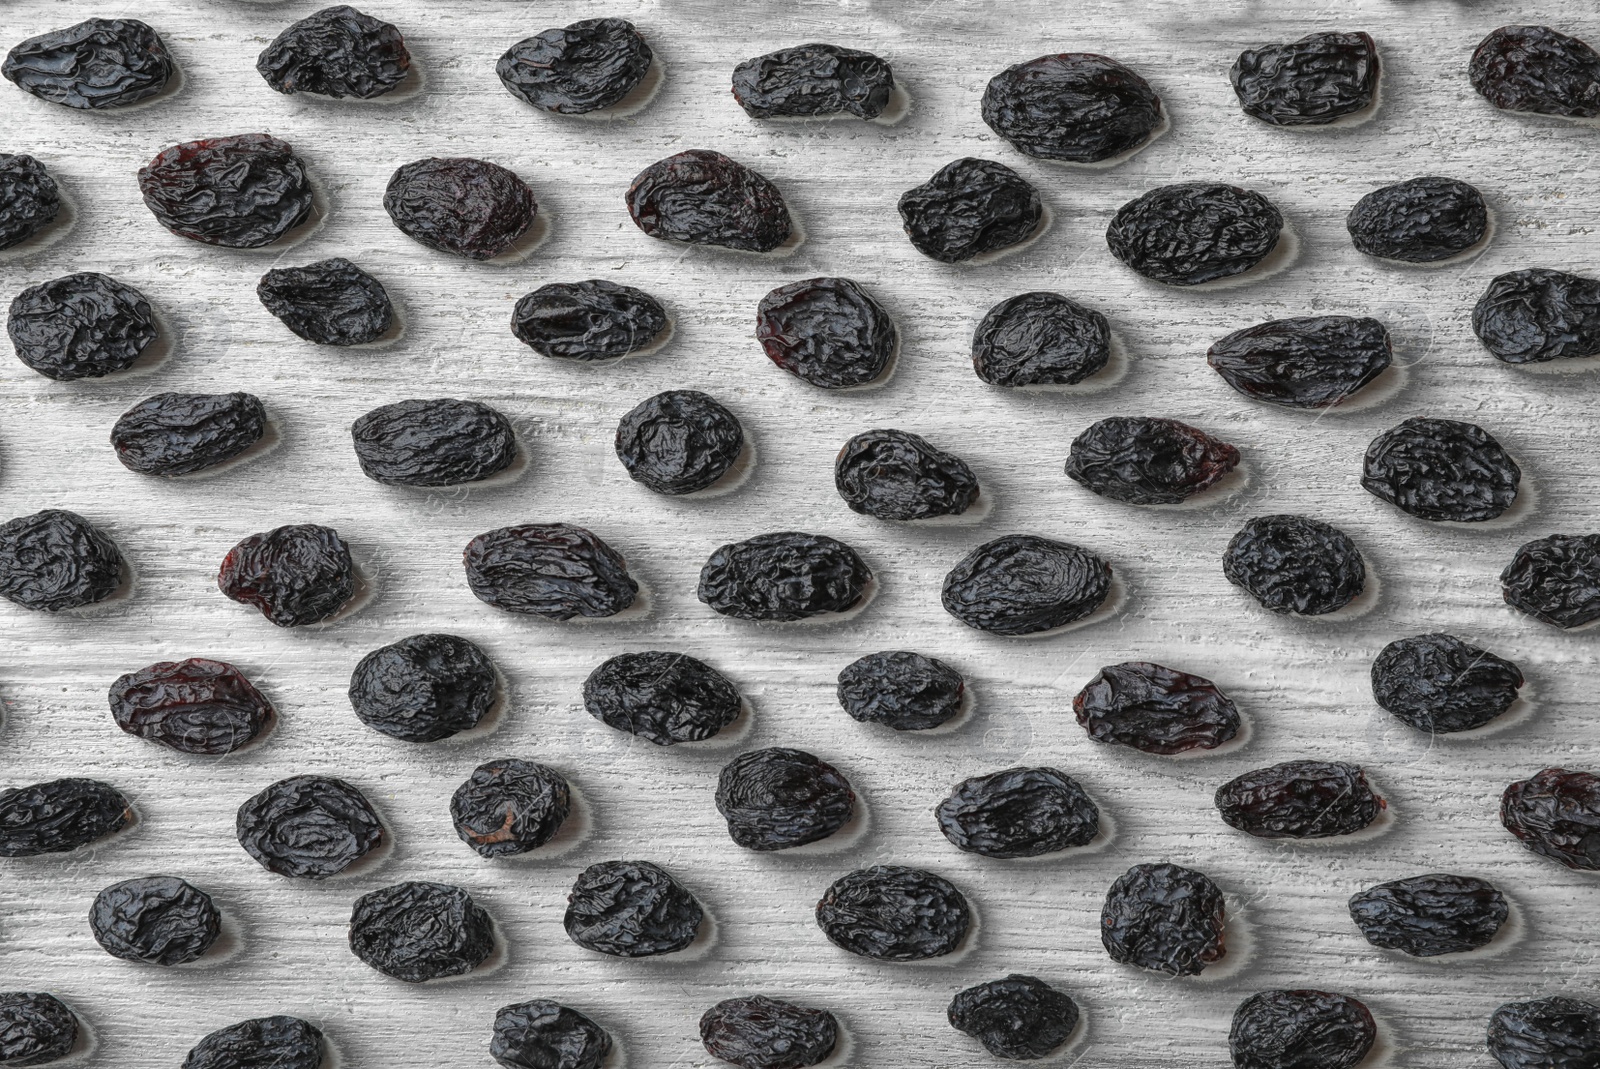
<point x="1194" y="232"/>
<point x="81" y="326"/>
<point x="1295" y="564"/>
<point x="970" y="207"/>
<point x="1018" y="812"/>
<point x="1164" y="918"/>
<point x="1019" y="1018"/>
<point x="172" y="434"/>
<point x="330" y="302"/>
<point x="902" y="690"/>
<point x="1441" y="469"/>
<point x="679" y="442"/>
<point x="94" y="64"/>
<point x="1040" y="339"/>
<point x="631" y="909"/>
<point x="1534" y="315"/>
<point x="757" y="1032"/>
<point x="666" y="698"/>
<point x="35" y="1028"/>
<point x="778" y="798"/>
<point x="1155" y="709"/>
<point x="702" y="197"/>
<point x="1144" y="460"/>
<point x="337" y="52"/>
<point x="59" y="815"/>
<point x="786" y="575"/>
<point x="279" y="1042"/>
<point x="1301" y="1030"/>
<point x="436" y="442"/>
<point x="240" y="192"/>
<point x="1426" y="916"/>
<point x="193" y="706"/>
<point x="591" y="320"/>
<point x="509" y="807"/>
<point x="813" y="80"/>
<point x="897" y="475"/>
<point x="461" y="206"/>
<point x="1024" y="584"/>
<point x="424" y="688"/>
<point x="1419" y="221"/>
<point x="1537" y="69"/>
<point x="577" y="69"/>
<point x="541" y="1034"/>
<point x="296" y="575"/>
<point x="551" y="570"/>
<point x="894" y="913"/>
<point x="1556" y="813"/>
<point x="1440" y="684"/>
<point x="417" y="931"/>
<point x="1555" y="579"/>
<point x="29" y="199"/>
<point x="55" y="560"/>
<point x="308" y="827"/>
<point x="1546" y="1033"/>
<point x="1307" y="362"/>
<point x="1076" y="106"/>
<point x="1319" y="79"/>
<point x="1300" y="800"/>
<point x="156" y="920"/>
<point x="826" y="331"/>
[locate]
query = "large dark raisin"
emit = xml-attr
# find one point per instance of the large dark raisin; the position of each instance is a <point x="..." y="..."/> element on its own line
<point x="1314" y="81"/>
<point x="1018" y="812"/>
<point x="1075" y="106"/>
<point x="1022" y="584"/>
<point x="897" y="475"/>
<point x="59" y="815"/>
<point x="241" y="192"/>
<point x="193" y="706"/>
<point x="330" y="302"/>
<point x="589" y="65"/>
<point x="437" y="442"/>
<point x="1426" y="916"/>
<point x="1155" y="709"/>
<point x="171" y="434"/>
<point x="1536" y="314"/>
<point x="296" y="575"/>
<point x="311" y="827"/>
<point x="813" y="79"/>
<point x="970" y="207"/>
<point x="1040" y="339"/>
<point x="1555" y="579"/>
<point x="541" y="1034"/>
<point x="29" y="199"/>
<point x="1295" y="564"/>
<point x="424" y="688"/>
<point x="417" y="931"/>
<point x="1165" y="918"/>
<point x="591" y="320"/>
<point x="1020" y="1018"/>
<point x="337" y="52"/>
<point x="1441" y="469"/>
<point x="551" y="570"/>
<point x="631" y="909"/>
<point x="757" y="1032"/>
<point x="1301" y="1030"/>
<point x="460" y="205"/>
<point x="1145" y="460"/>
<point x="1439" y="684"/>
<point x="1308" y="362"/>
<point x="704" y="198"/>
<point x="279" y="1042"/>
<point x="904" y="690"/>
<point x="35" y="1028"/>
<point x="894" y="913"/>
<point x="508" y="807"/>
<point x="826" y="331"/>
<point x="56" y="560"/>
<point x="98" y="63"/>
<point x="157" y="920"/>
<point x="1194" y="232"/>
<point x="679" y="441"/>
<point x="1300" y="800"/>
<point x="1419" y="221"/>
<point x="663" y="697"/>
<point x="1556" y="813"/>
<point x="1546" y="1033"/>
<point x="777" y="798"/>
<point x="783" y="576"/>
<point x="1537" y="69"/>
<point x="80" y="326"/>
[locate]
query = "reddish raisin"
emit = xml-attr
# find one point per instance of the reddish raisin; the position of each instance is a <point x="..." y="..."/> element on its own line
<point x="194" y="706"/>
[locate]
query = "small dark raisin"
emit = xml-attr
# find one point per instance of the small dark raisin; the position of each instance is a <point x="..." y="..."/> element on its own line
<point x="678" y="442"/>
<point x="97" y="63"/>
<point x="1309" y="362"/>
<point x="631" y="909"/>
<point x="337" y="52"/>
<point x="551" y="570"/>
<point x="424" y="688"/>
<point x="757" y="1032"/>
<point x="663" y="697"/>
<point x="35" y="1028"/>
<point x="1441" y="469"/>
<point x="1300" y="800"/>
<point x="1555" y="579"/>
<point x="80" y="326"/>
<point x="1075" y="106"/>
<point x="811" y="80"/>
<point x="508" y="807"/>
<point x="310" y="827"/>
<point x="1546" y="1033"/>
<point x="970" y="207"/>
<point x="1194" y="232"/>
<point x="56" y="560"/>
<point x="296" y="575"/>
<point x="1144" y="460"/>
<point x="330" y="302"/>
<point x="417" y="931"/>
<point x="1040" y="339"/>
<point x="172" y="434"/>
<point x="437" y="442"/>
<point x="59" y="815"/>
<point x="1420" y="221"/>
<point x="1165" y="918"/>
<point x="157" y="920"/>
<point x="541" y="1034"/>
<point x="29" y="199"/>
<point x="1019" y="1018"/>
<point x="241" y="192"/>
<point x="1439" y="684"/>
<point x="894" y="913"/>
<point x="589" y="65"/>
<point x="897" y="475"/>
<point x="903" y="690"/>
<point x="1319" y="79"/>
<point x="826" y="331"/>
<point x="783" y="576"/>
<point x="1426" y="916"/>
<point x="704" y="198"/>
<point x="1295" y="564"/>
<point x="1023" y="584"/>
<point x="1537" y="69"/>
<point x="194" y="706"/>
<point x="1301" y="1030"/>
<point x="279" y="1042"/>
<point x="1155" y="709"/>
<point x="1556" y="813"/>
<point x="777" y="798"/>
<point x="1536" y="314"/>
<point x="1018" y="812"/>
<point x="459" y="205"/>
<point x="592" y="320"/>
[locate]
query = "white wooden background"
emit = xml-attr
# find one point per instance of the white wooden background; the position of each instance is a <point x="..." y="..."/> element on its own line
<point x="1303" y="683"/>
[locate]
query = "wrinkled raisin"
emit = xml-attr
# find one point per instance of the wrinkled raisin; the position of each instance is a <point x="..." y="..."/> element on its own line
<point x="1426" y="916"/>
<point x="1019" y="1018"/>
<point x="157" y="920"/>
<point x="901" y="689"/>
<point x="1155" y="709"/>
<point x="337" y="52"/>
<point x="1546" y="1033"/>
<point x="897" y="475"/>
<point x="459" y="205"/>
<point x="1419" y="221"/>
<point x="59" y="815"/>
<point x="704" y="198"/>
<point x="970" y="207"/>
<point x="663" y="697"/>
<point x="1537" y="69"/>
<point x="330" y="302"/>
<point x="1144" y="460"/>
<point x="826" y="331"/>
<point x="1018" y="812"/>
<point x="1165" y="918"/>
<point x="631" y="909"/>
<point x="780" y="797"/>
<point x="1040" y="339"/>
<point x="80" y="326"/>
<point x="437" y="442"/>
<point x="97" y="63"/>
<point x="541" y="1034"/>
<point x="424" y="688"/>
<point x="194" y="706"/>
<point x="29" y="199"/>
<point x="1301" y="1030"/>
<point x="1300" y="800"/>
<point x="1075" y="106"/>
<point x="1556" y="813"/>
<point x="279" y="1042"/>
<point x="296" y="575"/>
<point x="811" y="80"/>
<point x="1555" y="579"/>
<point x="508" y="807"/>
<point x="1314" y="81"/>
<point x="678" y="442"/>
<point x="1308" y="362"/>
<point x="757" y="1032"/>
<point x="172" y="434"/>
<point x="589" y="65"/>
<point x="1536" y="314"/>
<point x="591" y="320"/>
<point x="1441" y="469"/>
<point x="417" y="931"/>
<point x="310" y="827"/>
<point x="551" y="570"/>
<point x="1440" y="684"/>
<point x="1295" y="564"/>
<point x="1023" y="584"/>
<point x="894" y="913"/>
<point x="35" y="1028"/>
<point x="56" y="560"/>
<point x="783" y="576"/>
<point x="1194" y="232"/>
<point x="241" y="192"/>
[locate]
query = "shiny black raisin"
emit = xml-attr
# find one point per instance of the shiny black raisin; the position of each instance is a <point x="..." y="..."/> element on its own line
<point x="1019" y="1018"/>
<point x="330" y="302"/>
<point x="508" y="807"/>
<point x="1556" y="813"/>
<point x="897" y="475"/>
<point x="631" y="909"/>
<point x="1537" y="69"/>
<point x="1314" y="81"/>
<point x="97" y="63"/>
<point x="1440" y="684"/>
<point x="1308" y="362"/>
<point x="59" y="815"/>
<point x="1018" y="812"/>
<point x="1023" y="584"/>
<point x="29" y="199"/>
<point x="1555" y="579"/>
<point x="1536" y="314"/>
<point x="1075" y="106"/>
<point x="663" y="697"/>
<point x="1546" y="1033"/>
<point x="1155" y="709"/>
<point x="437" y="442"/>
<point x="171" y="434"/>
<point x="704" y="198"/>
<point x="193" y="706"/>
<point x="589" y="65"/>
<point x="296" y="575"/>
<point x="310" y="827"/>
<point x="1301" y="1030"/>
<point x="811" y="80"/>
<point x="459" y="205"/>
<point x="1194" y="232"/>
<point x="678" y="442"/>
<point x="1295" y="564"/>
<point x="826" y="331"/>
<point x="337" y="52"/>
<point x="894" y="913"/>
<point x="417" y="931"/>
<point x="970" y="207"/>
<point x="591" y="320"/>
<point x="80" y="326"/>
<point x="783" y="576"/>
<point x="278" y="1042"/>
<point x="757" y="1032"/>
<point x="1144" y="460"/>
<point x="1419" y="221"/>
<point x="1300" y="800"/>
<point x="157" y="920"/>
<point x="780" y="797"/>
<point x="56" y="560"/>
<point x="541" y="1034"/>
<point x="1040" y="339"/>
<point x="424" y="688"/>
<point x="1441" y="469"/>
<point x="551" y="570"/>
<point x="1165" y="918"/>
<point x="901" y="689"/>
<point x="35" y="1028"/>
<point x="1426" y="916"/>
<point x="241" y="192"/>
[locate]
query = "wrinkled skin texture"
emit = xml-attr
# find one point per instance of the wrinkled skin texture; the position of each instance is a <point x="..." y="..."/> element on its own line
<point x="1546" y="1033"/>
<point x="1314" y="81"/>
<point x="541" y="1034"/>
<point x="59" y="815"/>
<point x="1441" y="469"/>
<point x="56" y="560"/>
<point x="330" y="302"/>
<point x="1076" y="106"/>
<point x="278" y="1042"/>
<point x="826" y="331"/>
<point x="1295" y="564"/>
<point x="1040" y="339"/>
<point x="1143" y="460"/>
<point x="780" y="797"/>
<point x="1165" y="918"/>
<point x="678" y="442"/>
<point x="783" y="576"/>
<point x="591" y="320"/>
<point x="461" y="206"/>
<point x="337" y="52"/>
<point x="1155" y="709"/>
<point x="1556" y="813"/>
<point x="29" y="199"/>
<point x="194" y="706"/>
<point x="1300" y="800"/>
<point x="1194" y="232"/>
<point x="970" y="207"/>
<point x="551" y="570"/>
<point x="1308" y="362"/>
<point x="1426" y="916"/>
<point x="1419" y="221"/>
<point x="702" y="197"/>
<point x="80" y="326"/>
<point x="631" y="909"/>
<point x="508" y="807"/>
<point x="1440" y="684"/>
<point x="897" y="475"/>
<point x="35" y="1028"/>
<point x="1024" y="584"/>
<point x="1301" y="1030"/>
<point x="813" y="79"/>
<point x="296" y="575"/>
<point x="1537" y="69"/>
<point x="417" y="931"/>
<point x="757" y="1032"/>
<point x="902" y="690"/>
<point x="424" y="688"/>
<point x="894" y="913"/>
<point x="98" y="63"/>
<point x="666" y="698"/>
<point x="1534" y="315"/>
<point x="1555" y="579"/>
<point x="157" y="920"/>
<point x="589" y="65"/>
<point x="308" y="827"/>
<point x="1018" y="812"/>
<point x="171" y="434"/>
<point x="1020" y="1018"/>
<point x="239" y="192"/>
<point x="439" y="442"/>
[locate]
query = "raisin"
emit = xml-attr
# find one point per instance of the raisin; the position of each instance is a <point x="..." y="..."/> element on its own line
<point x="1536" y="314"/>
<point x="779" y="797"/>
<point x="1316" y="80"/>
<point x="551" y="570"/>
<point x="591" y="320"/>
<point x="1441" y="469"/>
<point x="1556" y="813"/>
<point x="1018" y="812"/>
<point x="1143" y="460"/>
<point x="904" y="690"/>
<point x="678" y="442"/>
<point x="417" y="931"/>
<point x="1301" y="1030"/>
<point x="1075" y="106"/>
<point x="337" y="52"/>
<point x="330" y="302"/>
<point x="1194" y="232"/>
<point x="811" y="80"/>
<point x="508" y="807"/>
<point x="80" y="326"/>
<point x="1546" y="1033"/>
<point x="171" y="434"/>
<point x="1426" y="916"/>
<point x="786" y="575"/>
<point x="970" y="207"/>
<point x="1040" y="339"/>
<point x="1165" y="918"/>
<point x="826" y="331"/>
<point x="757" y="1032"/>
<point x="241" y="192"/>
<point x="897" y="475"/>
<point x="437" y="442"/>
<point x="1300" y="800"/>
<point x="459" y="205"/>
<point x="97" y="63"/>
<point x="56" y="560"/>
<point x="1555" y="579"/>
<point x="1308" y="362"/>
<point x="704" y="198"/>
<point x="194" y="706"/>
<point x="59" y="815"/>
<point x="35" y="1028"/>
<point x="1440" y="684"/>
<point x="279" y="1042"/>
<point x="1295" y="564"/>
<point x="1537" y="69"/>
<point x="589" y="65"/>
<point x="541" y="1034"/>
<point x="1023" y="584"/>
<point x="424" y="688"/>
<point x="631" y="909"/>
<point x="1155" y="709"/>
<point x="309" y="827"/>
<point x="1020" y="1018"/>
<point x="663" y="697"/>
<point x="1420" y="221"/>
<point x="157" y="920"/>
<point x="296" y="575"/>
<point x="894" y="913"/>
<point x="29" y="199"/>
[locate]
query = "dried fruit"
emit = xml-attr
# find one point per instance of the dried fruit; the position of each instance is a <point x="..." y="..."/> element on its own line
<point x="663" y="697"/>
<point x="1165" y="918"/>
<point x="1295" y="564"/>
<point x="80" y="326"/>
<point x="1426" y="916"/>
<point x="1419" y="221"/>
<point x="240" y="192"/>
<point x="1440" y="684"/>
<point x="59" y="815"/>
<point x="779" y="797"/>
<point x="1556" y="813"/>
<point x="1040" y="339"/>
<point x="1143" y="460"/>
<point x="589" y="65"/>
<point x="1316" y="80"/>
<point x="337" y="52"/>
<point x="192" y="706"/>
<point x="424" y="688"/>
<point x="1155" y="709"/>
<point x="417" y="931"/>
<point x="631" y="909"/>
<point x="171" y="434"/>
<point x="310" y="827"/>
<point x="1546" y="1033"/>
<point x="1020" y="1018"/>
<point x="811" y="80"/>
<point x="157" y="920"/>
<point x="508" y="807"/>
<point x="541" y="1034"/>
<point x="783" y="576"/>
<point x="1555" y="579"/>
<point x="551" y="570"/>
<point x="704" y="198"/>
<point x="592" y="320"/>
<point x="903" y="690"/>
<point x="757" y="1032"/>
<point x="279" y="1042"/>
<point x="1308" y="362"/>
<point x="1194" y="232"/>
<point x="897" y="475"/>
<point x="894" y="913"/>
<point x="1075" y="106"/>
<point x="330" y="302"/>
<point x="459" y="205"/>
<point x="97" y="63"/>
<point x="1300" y="800"/>
<point x="56" y="560"/>
<point x="1023" y="584"/>
<point x="1534" y="315"/>
<point x="35" y="1028"/>
<point x="678" y="442"/>
<point x="970" y="207"/>
<point x="296" y="575"/>
<point x="1537" y="69"/>
<point x="437" y="442"/>
<point x="826" y="331"/>
<point x="1018" y="812"/>
<point x="1301" y="1030"/>
<point x="29" y="199"/>
<point x="1441" y="469"/>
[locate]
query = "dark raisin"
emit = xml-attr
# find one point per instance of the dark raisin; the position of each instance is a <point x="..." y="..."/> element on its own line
<point x="1308" y="362"/>
<point x="631" y="909"/>
<point x="589" y="65"/>
<point x="1419" y="221"/>
<point x="1426" y="916"/>
<point x="1165" y="918"/>
<point x="157" y="920"/>
<point x="1546" y="1033"/>
<point x="1075" y="106"/>
<point x="80" y="326"/>
<point x="1536" y="314"/>
<point x="1040" y="339"/>
<point x="417" y="931"/>
<point x="1194" y="232"/>
<point x="310" y="827"/>
<point x="1020" y="1018"/>
<point x="1144" y="460"/>
<point x="1018" y="812"/>
<point x="1556" y="813"/>
<point x="459" y="205"/>
<point x="29" y="199"/>
<point x="240" y="192"/>
<point x="663" y="697"/>
<point x="437" y="442"/>
<point x="508" y="807"/>
<point x="541" y="1034"/>
<point x="56" y="560"/>
<point x="592" y="320"/>
<point x="35" y="1028"/>
<point x="1537" y="69"/>
<point x="678" y="442"/>
<point x="897" y="475"/>
<point x="171" y="434"/>
<point x="1295" y="564"/>
<point x="296" y="575"/>
<point x="59" y="815"/>
<point x="826" y="331"/>
<point x="757" y="1032"/>
<point x="97" y="63"/>
<point x="1555" y="579"/>
<point x="1155" y="709"/>
<point x="1023" y="584"/>
<point x="1301" y="1030"/>
<point x="330" y="302"/>
<point x="787" y="575"/>
<point x="704" y="198"/>
<point x="813" y="79"/>
<point x="194" y="706"/>
<point x="279" y="1042"/>
<point x="894" y="913"/>
<point x="551" y="570"/>
<point x="1300" y="800"/>
<point x="424" y="688"/>
<point x="1441" y="469"/>
<point x="970" y="207"/>
<point x="1316" y="80"/>
<point x="904" y="690"/>
<point x="337" y="52"/>
<point x="1439" y="684"/>
<point x="777" y="798"/>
